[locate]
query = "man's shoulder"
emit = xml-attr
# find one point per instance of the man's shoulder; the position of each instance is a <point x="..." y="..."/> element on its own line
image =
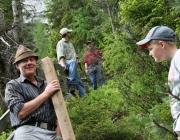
<point x="11" y="81"/>
<point x="61" y="42"/>
<point x="88" y="53"/>
<point x="14" y="82"/>
<point x="176" y="56"/>
<point x="97" y="50"/>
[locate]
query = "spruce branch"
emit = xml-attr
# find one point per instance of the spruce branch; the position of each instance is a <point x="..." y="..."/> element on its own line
<point x="163" y="127"/>
<point x="170" y="92"/>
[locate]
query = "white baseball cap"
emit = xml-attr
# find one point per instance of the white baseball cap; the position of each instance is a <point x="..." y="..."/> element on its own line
<point x="64" y="31"/>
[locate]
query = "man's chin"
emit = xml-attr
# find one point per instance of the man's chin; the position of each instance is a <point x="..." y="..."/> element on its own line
<point x="30" y="72"/>
<point x="157" y="61"/>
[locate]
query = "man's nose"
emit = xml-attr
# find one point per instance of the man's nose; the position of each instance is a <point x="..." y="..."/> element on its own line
<point x="29" y="61"/>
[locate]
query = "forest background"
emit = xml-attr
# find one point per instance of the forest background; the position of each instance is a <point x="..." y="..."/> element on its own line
<point x="134" y="102"/>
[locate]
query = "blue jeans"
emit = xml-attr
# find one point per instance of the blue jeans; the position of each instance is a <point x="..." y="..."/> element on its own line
<point x="95" y="70"/>
<point x="74" y="78"/>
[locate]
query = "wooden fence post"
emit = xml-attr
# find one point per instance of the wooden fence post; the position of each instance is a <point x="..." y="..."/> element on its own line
<point x="58" y="101"/>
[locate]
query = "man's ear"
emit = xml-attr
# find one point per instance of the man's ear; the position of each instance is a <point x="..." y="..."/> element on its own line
<point x="163" y="44"/>
<point x="17" y="66"/>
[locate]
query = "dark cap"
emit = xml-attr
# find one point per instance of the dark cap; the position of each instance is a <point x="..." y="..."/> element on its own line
<point x="22" y="53"/>
<point x="88" y="42"/>
<point x="158" y="33"/>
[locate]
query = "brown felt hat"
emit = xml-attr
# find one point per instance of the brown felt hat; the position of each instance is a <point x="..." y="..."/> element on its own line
<point x="23" y="52"/>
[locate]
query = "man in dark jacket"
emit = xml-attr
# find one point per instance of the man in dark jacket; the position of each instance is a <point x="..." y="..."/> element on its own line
<point x="28" y="98"/>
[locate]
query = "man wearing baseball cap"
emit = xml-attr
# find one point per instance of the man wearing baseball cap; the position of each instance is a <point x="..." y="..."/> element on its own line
<point x="92" y="62"/>
<point x="160" y="41"/>
<point x="28" y="98"/>
<point x="68" y="59"/>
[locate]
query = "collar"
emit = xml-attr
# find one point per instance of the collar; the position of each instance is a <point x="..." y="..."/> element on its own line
<point x="92" y="50"/>
<point x="22" y="79"/>
<point x="63" y="39"/>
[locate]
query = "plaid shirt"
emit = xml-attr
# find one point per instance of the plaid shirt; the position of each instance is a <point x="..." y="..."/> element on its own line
<point x="18" y="92"/>
<point x="65" y="49"/>
<point x="91" y="58"/>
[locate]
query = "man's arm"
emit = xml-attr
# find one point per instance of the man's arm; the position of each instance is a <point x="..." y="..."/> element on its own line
<point x="86" y="68"/>
<point x="60" y="50"/>
<point x="62" y="62"/>
<point x="31" y="106"/>
<point x="86" y="64"/>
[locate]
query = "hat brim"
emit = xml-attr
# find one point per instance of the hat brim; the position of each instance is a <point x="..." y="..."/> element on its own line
<point x="63" y="31"/>
<point x="25" y="55"/>
<point x="88" y="42"/>
<point x="143" y="43"/>
<point x="69" y="30"/>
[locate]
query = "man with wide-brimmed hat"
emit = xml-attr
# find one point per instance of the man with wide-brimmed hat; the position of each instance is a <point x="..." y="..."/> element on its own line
<point x="68" y="59"/>
<point x="28" y="98"/>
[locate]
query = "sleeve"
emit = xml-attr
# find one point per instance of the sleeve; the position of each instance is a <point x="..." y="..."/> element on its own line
<point x="77" y="57"/>
<point x="60" y="50"/>
<point x="13" y="98"/>
<point x="98" y="52"/>
<point x="177" y="63"/>
<point x="85" y="58"/>
<point x="74" y="51"/>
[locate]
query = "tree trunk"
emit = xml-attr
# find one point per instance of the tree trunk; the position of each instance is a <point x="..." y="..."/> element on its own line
<point x="2" y="22"/>
<point x="17" y="14"/>
<point x="110" y="16"/>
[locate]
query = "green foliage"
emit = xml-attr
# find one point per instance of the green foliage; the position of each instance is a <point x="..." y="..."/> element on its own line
<point x="135" y="90"/>
<point x="140" y="81"/>
<point x="6" y="6"/>
<point x="28" y="32"/>
<point x="137" y="72"/>
<point x="83" y="20"/>
<point x="41" y="39"/>
<point x="134" y="124"/>
<point x="1" y="111"/>
<point x="5" y="135"/>
<point x="161" y="115"/>
<point x="140" y="126"/>
<point x="103" y="114"/>
<point x="59" y="12"/>
<point x="150" y="13"/>
<point x="137" y="77"/>
<point x="93" y="114"/>
<point x="54" y="38"/>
